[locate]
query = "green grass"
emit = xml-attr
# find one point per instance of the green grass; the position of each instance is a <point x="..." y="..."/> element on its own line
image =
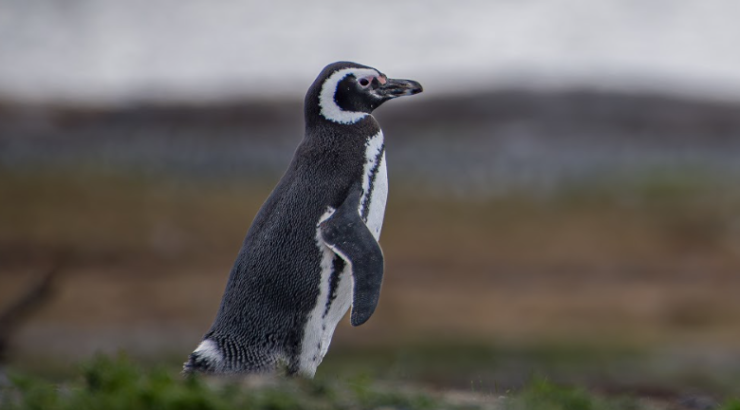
<point x="120" y="384"/>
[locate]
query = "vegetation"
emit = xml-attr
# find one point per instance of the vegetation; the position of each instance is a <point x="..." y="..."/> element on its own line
<point x="119" y="384"/>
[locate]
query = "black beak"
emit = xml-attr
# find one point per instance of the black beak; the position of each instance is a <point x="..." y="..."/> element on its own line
<point x="398" y="88"/>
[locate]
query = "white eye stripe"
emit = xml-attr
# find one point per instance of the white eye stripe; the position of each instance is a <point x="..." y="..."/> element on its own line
<point x="329" y="108"/>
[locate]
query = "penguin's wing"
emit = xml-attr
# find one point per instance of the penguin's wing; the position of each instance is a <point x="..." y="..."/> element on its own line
<point x="346" y="234"/>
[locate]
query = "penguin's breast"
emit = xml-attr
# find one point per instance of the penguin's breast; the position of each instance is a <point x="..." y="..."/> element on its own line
<point x="374" y="185"/>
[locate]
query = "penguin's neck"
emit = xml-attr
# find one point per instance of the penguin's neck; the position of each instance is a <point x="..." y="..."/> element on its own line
<point x="318" y="125"/>
<point x="348" y="143"/>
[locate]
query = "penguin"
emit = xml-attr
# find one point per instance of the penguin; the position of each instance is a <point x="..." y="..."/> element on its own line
<point x="312" y="250"/>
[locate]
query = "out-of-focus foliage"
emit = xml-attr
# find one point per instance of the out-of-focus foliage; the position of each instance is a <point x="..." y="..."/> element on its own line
<point x="119" y="384"/>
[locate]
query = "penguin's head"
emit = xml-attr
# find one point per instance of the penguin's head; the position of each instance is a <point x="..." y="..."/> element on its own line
<point x="346" y="92"/>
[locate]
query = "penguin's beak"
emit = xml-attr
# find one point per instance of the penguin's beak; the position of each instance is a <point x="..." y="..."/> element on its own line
<point x="393" y="88"/>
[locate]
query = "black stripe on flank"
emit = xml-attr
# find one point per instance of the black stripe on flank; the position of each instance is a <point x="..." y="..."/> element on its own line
<point x="336" y="270"/>
<point x="371" y="183"/>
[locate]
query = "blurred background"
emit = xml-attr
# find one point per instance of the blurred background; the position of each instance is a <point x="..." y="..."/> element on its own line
<point x="563" y="196"/>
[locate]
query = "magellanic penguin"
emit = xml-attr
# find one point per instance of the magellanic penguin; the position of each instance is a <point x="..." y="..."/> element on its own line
<point x="312" y="250"/>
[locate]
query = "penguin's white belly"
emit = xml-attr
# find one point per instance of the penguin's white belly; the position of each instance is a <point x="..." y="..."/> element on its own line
<point x="322" y="321"/>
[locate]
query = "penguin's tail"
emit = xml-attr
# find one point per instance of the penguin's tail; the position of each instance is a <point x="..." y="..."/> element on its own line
<point x="206" y="358"/>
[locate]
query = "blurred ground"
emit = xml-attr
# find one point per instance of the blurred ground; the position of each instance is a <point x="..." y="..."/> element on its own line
<point x="608" y="243"/>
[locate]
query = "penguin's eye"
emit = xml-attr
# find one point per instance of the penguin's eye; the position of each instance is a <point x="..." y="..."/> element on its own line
<point x="364" y="82"/>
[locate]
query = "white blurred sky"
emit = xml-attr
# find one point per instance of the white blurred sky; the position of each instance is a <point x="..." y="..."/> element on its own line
<point x="117" y="50"/>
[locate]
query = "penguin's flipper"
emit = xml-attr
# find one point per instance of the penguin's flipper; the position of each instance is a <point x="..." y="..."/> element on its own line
<point x="346" y="234"/>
